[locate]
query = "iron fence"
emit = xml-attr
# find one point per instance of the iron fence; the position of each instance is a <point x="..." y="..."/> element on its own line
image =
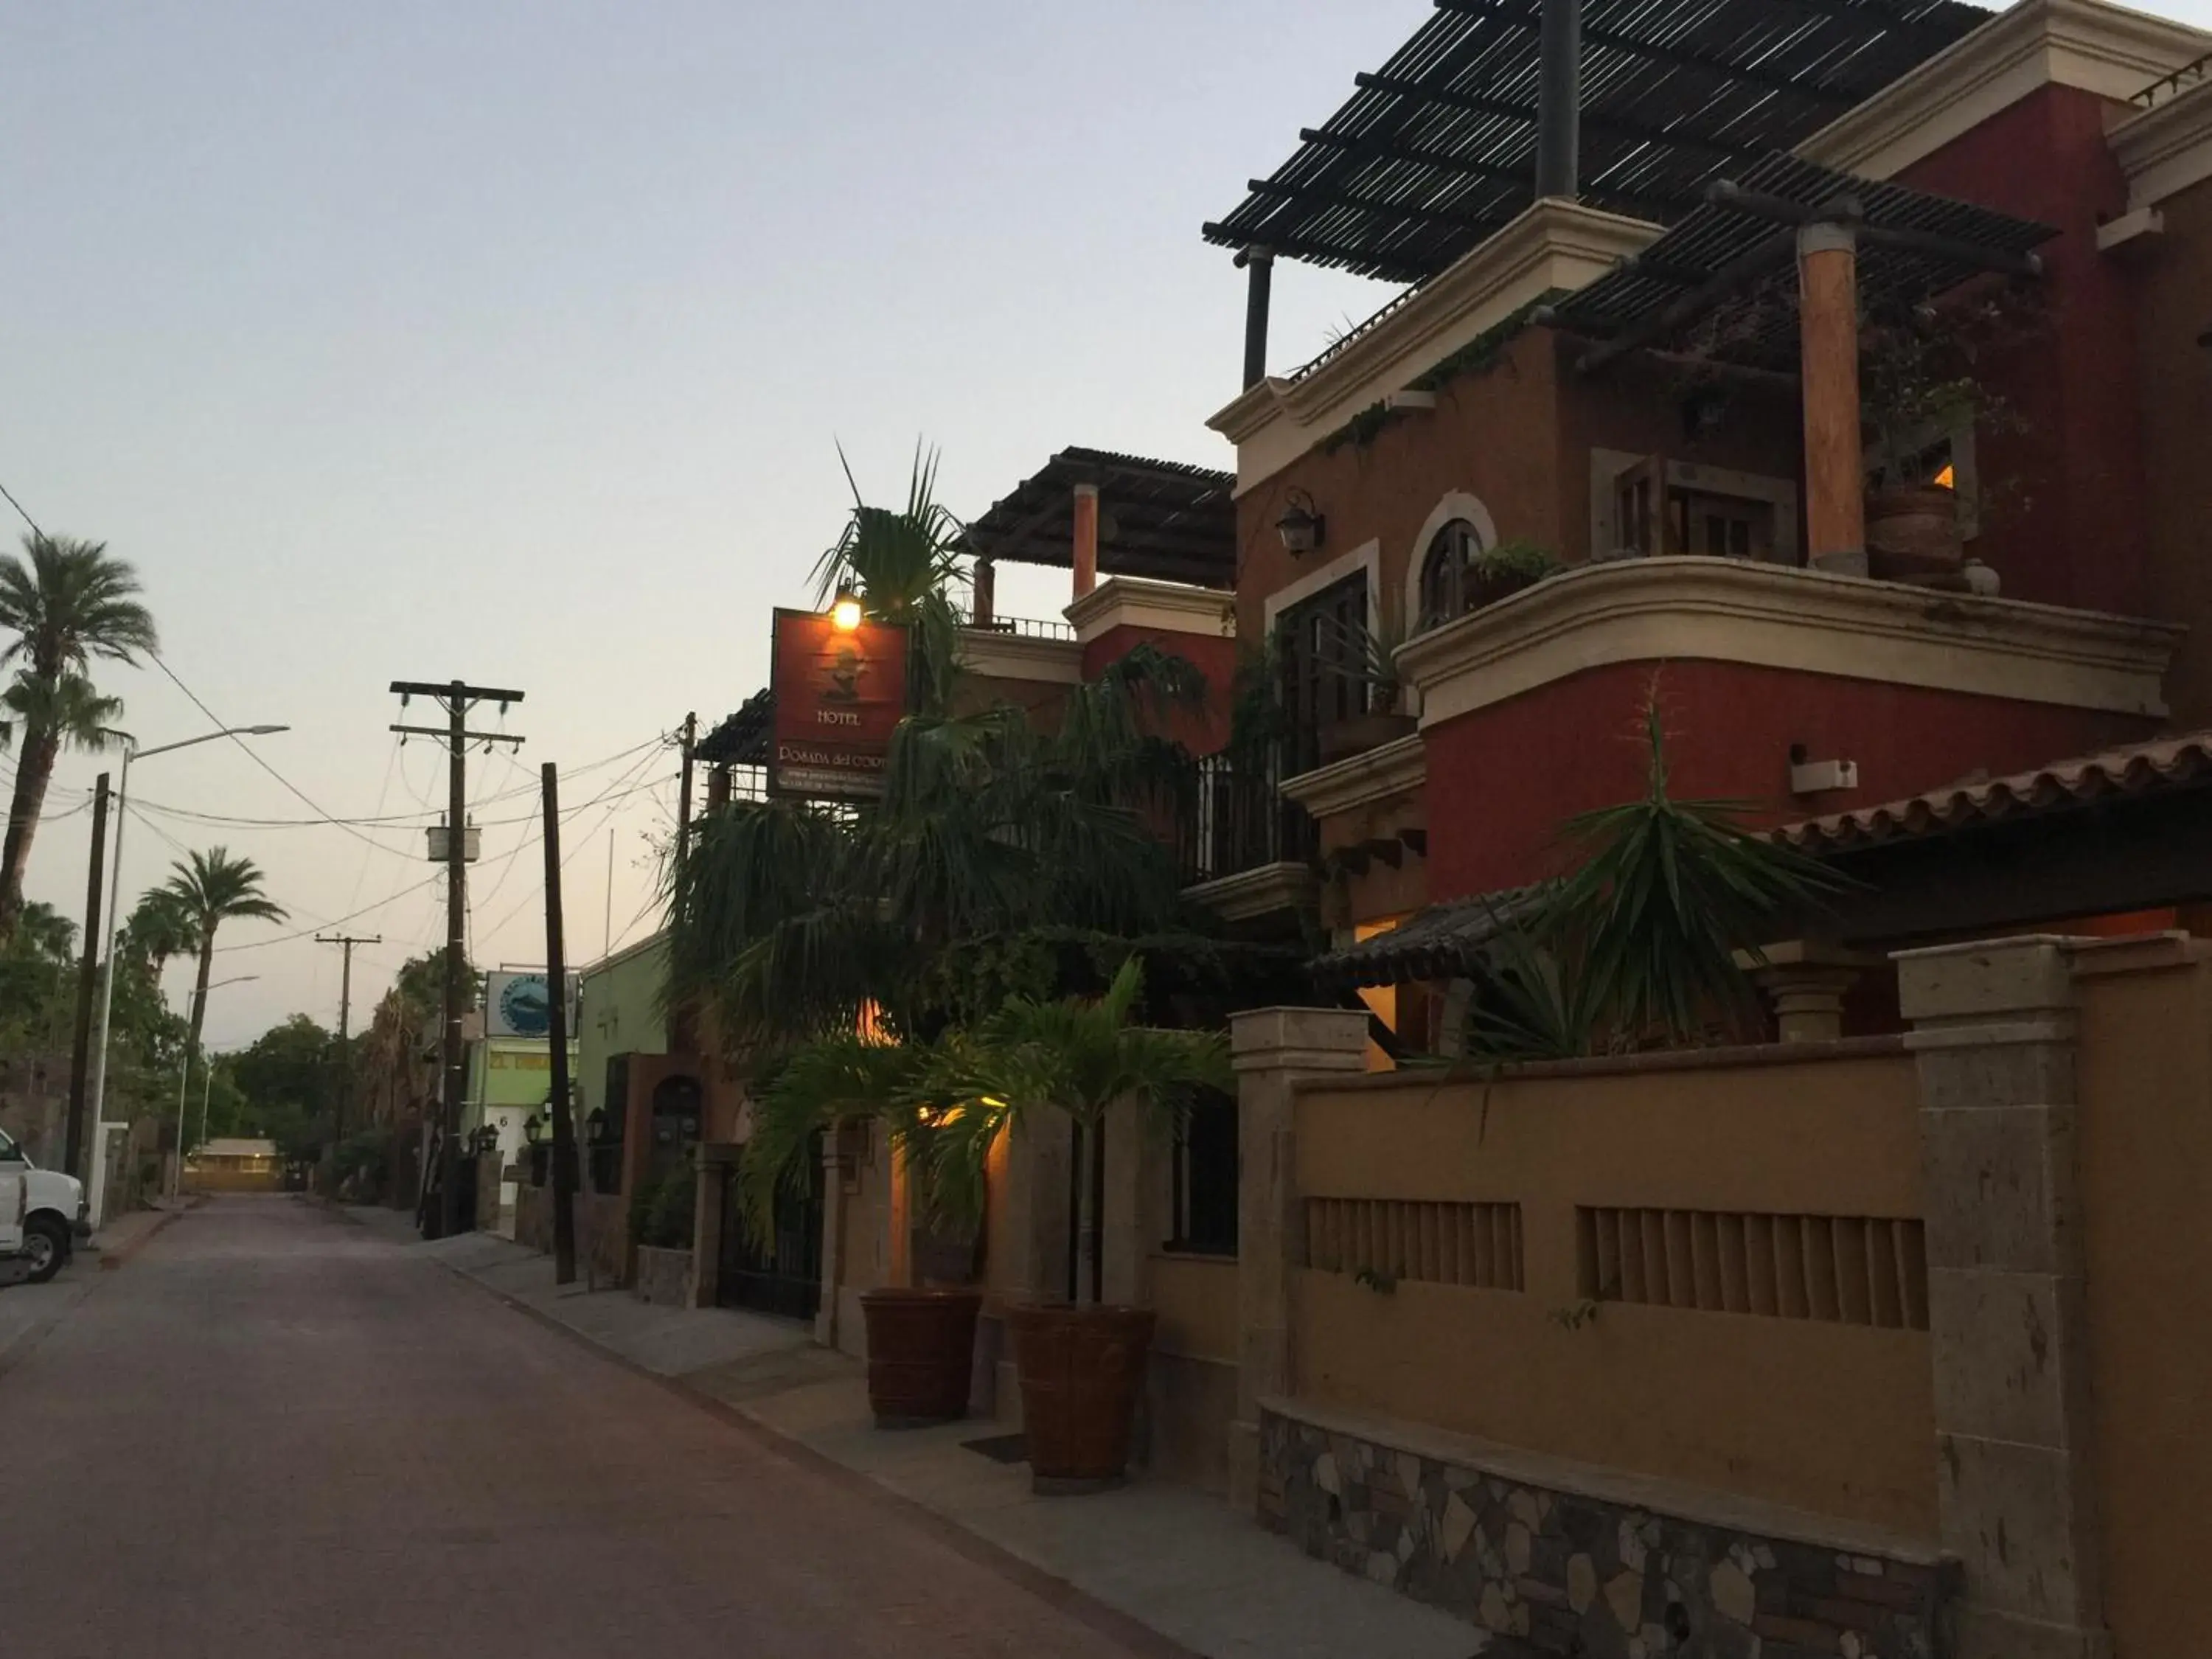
<point x="1237" y="820"/>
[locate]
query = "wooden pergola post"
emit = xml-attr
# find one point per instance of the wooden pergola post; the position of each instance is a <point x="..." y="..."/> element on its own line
<point x="1828" y="344"/>
<point x="983" y="585"/>
<point x="1086" y="538"/>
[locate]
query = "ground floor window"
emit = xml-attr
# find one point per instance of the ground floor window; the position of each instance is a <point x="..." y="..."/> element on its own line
<point x="1203" y="1202"/>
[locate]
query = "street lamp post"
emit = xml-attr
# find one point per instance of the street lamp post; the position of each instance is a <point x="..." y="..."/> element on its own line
<point x="207" y="1088"/>
<point x="98" y="1183"/>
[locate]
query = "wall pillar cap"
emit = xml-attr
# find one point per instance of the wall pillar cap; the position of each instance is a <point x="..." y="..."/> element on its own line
<point x="1987" y="980"/>
<point x="1301" y="1039"/>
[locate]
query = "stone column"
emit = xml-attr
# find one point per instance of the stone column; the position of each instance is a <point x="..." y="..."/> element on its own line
<point x="1993" y="1031"/>
<point x="1086" y="538"/>
<point x="1273" y="1049"/>
<point x="1828" y="354"/>
<point x="1805" y="982"/>
<point x="836" y="1165"/>
<point x="713" y="1161"/>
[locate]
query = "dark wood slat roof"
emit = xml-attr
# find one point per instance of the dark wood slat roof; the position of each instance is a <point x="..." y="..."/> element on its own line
<point x="1404" y="177"/>
<point x="1759" y="325"/>
<point x="1164" y="520"/>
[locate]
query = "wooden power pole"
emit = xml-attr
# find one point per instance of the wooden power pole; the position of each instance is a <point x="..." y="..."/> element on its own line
<point x="347" y="941"/>
<point x="556" y="1035"/>
<point x="457" y="697"/>
<point x="87" y="988"/>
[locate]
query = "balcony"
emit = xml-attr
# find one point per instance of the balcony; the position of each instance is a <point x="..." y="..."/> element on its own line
<point x="1246" y="851"/>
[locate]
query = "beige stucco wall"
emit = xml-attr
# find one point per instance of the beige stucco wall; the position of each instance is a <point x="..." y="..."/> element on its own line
<point x="1835" y="1418"/>
<point x="2144" y="1073"/>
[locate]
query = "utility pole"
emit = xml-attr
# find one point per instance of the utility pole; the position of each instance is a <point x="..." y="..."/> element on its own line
<point x="87" y="988"/>
<point x="683" y="797"/>
<point x="556" y="1035"/>
<point x="345" y="1028"/>
<point x="456" y="698"/>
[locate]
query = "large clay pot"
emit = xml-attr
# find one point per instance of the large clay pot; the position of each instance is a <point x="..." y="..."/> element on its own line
<point x="1342" y="739"/>
<point x="1912" y="533"/>
<point x="1081" y="1370"/>
<point x="921" y="1354"/>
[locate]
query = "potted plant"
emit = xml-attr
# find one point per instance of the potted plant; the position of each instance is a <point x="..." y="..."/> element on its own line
<point x="1366" y="657"/>
<point x="1081" y="1365"/>
<point x="1499" y="572"/>
<point x="921" y="1336"/>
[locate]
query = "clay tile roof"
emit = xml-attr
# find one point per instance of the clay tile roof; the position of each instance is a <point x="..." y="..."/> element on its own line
<point x="2132" y="770"/>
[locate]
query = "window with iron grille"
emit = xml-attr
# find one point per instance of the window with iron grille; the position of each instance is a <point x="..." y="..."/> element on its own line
<point x="1203" y="1200"/>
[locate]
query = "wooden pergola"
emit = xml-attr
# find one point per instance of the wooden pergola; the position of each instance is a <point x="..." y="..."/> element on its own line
<point x="1094" y="512"/>
<point x="1624" y="105"/>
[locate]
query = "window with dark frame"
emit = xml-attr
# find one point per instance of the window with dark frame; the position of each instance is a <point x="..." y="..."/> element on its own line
<point x="1202" y="1207"/>
<point x="1447" y="570"/>
<point x="1317" y="638"/>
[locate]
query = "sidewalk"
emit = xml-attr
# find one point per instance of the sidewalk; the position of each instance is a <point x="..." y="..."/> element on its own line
<point x="1175" y="1559"/>
<point x="27" y="1312"/>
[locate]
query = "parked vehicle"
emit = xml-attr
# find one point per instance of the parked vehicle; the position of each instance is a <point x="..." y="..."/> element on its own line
<point x="42" y="1214"/>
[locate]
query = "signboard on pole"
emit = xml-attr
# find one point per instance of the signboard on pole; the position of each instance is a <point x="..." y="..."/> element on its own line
<point x="519" y="1005"/>
<point x="840" y="694"/>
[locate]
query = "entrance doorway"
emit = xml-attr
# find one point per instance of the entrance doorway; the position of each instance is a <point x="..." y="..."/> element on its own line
<point x="786" y="1278"/>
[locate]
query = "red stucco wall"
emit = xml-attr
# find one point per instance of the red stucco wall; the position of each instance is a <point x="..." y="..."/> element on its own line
<point x="1211" y="654"/>
<point x="2069" y="525"/>
<point x="1503" y="780"/>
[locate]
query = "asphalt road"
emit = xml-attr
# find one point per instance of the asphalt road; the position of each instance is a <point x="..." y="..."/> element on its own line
<point x="272" y="1434"/>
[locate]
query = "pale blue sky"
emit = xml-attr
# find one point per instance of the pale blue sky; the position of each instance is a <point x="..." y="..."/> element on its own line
<point x="513" y="340"/>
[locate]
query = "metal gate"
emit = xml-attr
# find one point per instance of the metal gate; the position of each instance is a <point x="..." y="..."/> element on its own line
<point x="785" y="1278"/>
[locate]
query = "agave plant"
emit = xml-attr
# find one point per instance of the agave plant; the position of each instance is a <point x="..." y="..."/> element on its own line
<point x="1646" y="937"/>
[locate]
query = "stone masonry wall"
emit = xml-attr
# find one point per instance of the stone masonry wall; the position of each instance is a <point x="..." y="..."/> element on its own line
<point x="664" y="1277"/>
<point x="1560" y="1573"/>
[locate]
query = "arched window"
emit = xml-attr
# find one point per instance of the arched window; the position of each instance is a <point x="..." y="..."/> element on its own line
<point x="1447" y="573"/>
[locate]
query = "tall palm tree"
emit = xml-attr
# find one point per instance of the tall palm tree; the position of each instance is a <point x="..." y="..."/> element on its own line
<point x="901" y="564"/>
<point x="210" y="890"/>
<point x="159" y="928"/>
<point x="68" y="604"/>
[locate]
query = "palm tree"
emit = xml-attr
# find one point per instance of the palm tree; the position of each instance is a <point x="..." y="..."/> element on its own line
<point x="210" y="890"/>
<point x="159" y="928"/>
<point x="901" y="565"/>
<point x="69" y="602"/>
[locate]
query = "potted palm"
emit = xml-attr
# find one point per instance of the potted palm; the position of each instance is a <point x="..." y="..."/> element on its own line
<point x="921" y="1335"/>
<point x="1367" y="658"/>
<point x="1081" y="1364"/>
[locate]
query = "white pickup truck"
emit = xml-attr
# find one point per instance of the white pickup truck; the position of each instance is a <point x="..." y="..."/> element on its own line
<point x="42" y="1214"/>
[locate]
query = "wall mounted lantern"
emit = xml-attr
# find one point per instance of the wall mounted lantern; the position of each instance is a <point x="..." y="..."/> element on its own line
<point x="845" y="610"/>
<point x="1302" y="528"/>
<point x="532" y="1128"/>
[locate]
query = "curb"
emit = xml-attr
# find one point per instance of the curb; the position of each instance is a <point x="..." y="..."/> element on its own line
<point x="111" y="1260"/>
<point x="1132" y="1633"/>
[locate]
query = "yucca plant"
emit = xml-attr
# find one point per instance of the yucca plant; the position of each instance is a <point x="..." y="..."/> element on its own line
<point x="1641" y="940"/>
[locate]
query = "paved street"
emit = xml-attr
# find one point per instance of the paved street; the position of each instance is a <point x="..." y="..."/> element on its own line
<point x="272" y="1433"/>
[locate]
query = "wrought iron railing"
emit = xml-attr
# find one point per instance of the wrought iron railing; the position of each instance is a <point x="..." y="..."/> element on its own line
<point x="1238" y="819"/>
<point x="1029" y="627"/>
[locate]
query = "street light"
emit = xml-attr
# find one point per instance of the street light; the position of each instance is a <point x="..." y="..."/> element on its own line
<point x="130" y="751"/>
<point x="207" y="1086"/>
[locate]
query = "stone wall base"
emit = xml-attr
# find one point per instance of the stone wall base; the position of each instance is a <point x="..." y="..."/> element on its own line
<point x="664" y="1277"/>
<point x="1552" y="1571"/>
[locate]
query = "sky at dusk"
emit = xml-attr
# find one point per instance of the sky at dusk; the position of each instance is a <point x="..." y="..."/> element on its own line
<point x="515" y="340"/>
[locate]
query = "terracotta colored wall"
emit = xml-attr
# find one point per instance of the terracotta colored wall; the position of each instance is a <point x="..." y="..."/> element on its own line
<point x="2073" y="532"/>
<point x="1202" y="733"/>
<point x="1834" y="1419"/>
<point x="1730" y="729"/>
<point x="2144" y="1073"/>
<point x="1492" y="434"/>
<point x="1635" y="406"/>
<point x="2171" y="275"/>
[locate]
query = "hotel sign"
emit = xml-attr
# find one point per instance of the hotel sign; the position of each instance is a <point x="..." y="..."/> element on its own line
<point x="840" y="694"/>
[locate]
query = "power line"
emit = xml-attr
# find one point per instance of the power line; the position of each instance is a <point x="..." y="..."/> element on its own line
<point x="581" y="841"/>
<point x="335" y="922"/>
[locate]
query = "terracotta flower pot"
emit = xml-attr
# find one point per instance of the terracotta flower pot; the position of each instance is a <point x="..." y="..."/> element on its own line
<point x="1081" y="1370"/>
<point x="1912" y="533"/>
<point x="921" y="1354"/>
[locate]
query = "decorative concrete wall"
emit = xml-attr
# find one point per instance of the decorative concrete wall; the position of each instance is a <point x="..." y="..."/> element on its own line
<point x="602" y="1226"/>
<point x="664" y="1277"/>
<point x="1552" y="1572"/>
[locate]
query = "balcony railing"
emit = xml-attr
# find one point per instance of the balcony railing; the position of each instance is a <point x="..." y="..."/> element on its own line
<point x="1028" y="628"/>
<point x="1238" y="820"/>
